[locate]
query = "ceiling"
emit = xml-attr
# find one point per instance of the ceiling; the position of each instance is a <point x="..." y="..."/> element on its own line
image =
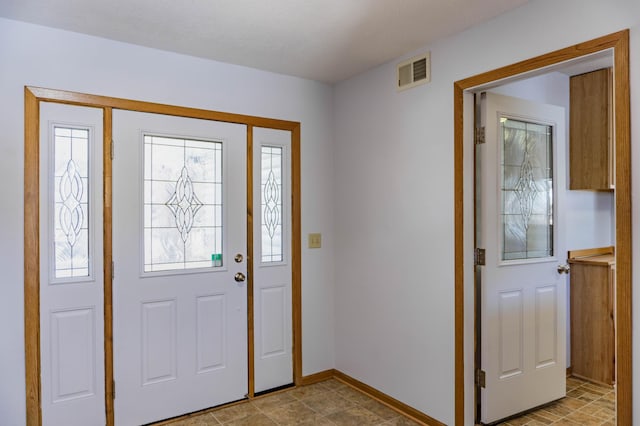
<point x="324" y="40"/>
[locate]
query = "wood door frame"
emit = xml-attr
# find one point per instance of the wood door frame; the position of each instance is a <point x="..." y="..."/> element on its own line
<point x="619" y="43"/>
<point x="32" y="98"/>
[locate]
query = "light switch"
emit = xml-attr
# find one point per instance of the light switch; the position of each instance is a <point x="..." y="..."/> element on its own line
<point x="315" y="240"/>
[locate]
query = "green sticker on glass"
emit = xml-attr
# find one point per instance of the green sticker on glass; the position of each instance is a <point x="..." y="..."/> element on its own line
<point x="216" y="259"/>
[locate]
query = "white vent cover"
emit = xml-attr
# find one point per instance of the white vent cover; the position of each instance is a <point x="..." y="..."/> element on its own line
<point x="414" y="72"/>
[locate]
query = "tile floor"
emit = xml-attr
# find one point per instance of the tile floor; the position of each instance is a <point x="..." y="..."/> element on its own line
<point x="326" y="403"/>
<point x="586" y="404"/>
<point x="334" y="403"/>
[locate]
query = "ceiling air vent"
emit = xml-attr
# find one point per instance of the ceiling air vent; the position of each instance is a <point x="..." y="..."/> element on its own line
<point x="415" y="71"/>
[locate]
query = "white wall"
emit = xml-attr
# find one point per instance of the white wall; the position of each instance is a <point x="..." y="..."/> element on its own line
<point x="394" y="201"/>
<point x="38" y="56"/>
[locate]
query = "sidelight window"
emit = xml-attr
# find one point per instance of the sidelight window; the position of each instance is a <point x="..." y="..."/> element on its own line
<point x="271" y="203"/>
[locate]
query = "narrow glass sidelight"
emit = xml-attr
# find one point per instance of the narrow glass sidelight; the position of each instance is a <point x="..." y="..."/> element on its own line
<point x="271" y="204"/>
<point x="182" y="203"/>
<point x="70" y="197"/>
<point x="527" y="189"/>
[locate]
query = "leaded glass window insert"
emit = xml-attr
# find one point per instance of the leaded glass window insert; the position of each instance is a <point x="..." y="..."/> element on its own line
<point x="527" y="189"/>
<point x="271" y="203"/>
<point x="182" y="203"/>
<point x="71" y="202"/>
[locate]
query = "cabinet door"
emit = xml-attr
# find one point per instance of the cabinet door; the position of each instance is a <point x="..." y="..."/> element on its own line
<point x="592" y="323"/>
<point x="590" y="137"/>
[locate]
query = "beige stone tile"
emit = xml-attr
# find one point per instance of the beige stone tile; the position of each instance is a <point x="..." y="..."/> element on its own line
<point x="589" y="396"/>
<point x="605" y="414"/>
<point x="271" y="402"/>
<point x="379" y="409"/>
<point x="579" y="380"/>
<point x="543" y="417"/>
<point x="333" y="384"/>
<point x="584" y="419"/>
<point x="590" y="409"/>
<point x="517" y="421"/>
<point x="536" y="423"/>
<point x="611" y="396"/>
<point x="605" y="404"/>
<point x="571" y="403"/>
<point x="235" y="412"/>
<point x="317" y="420"/>
<point x="258" y="419"/>
<point x="328" y="403"/>
<point x="575" y="393"/>
<point x="548" y="414"/>
<point x="353" y="395"/>
<point x="355" y="416"/>
<point x="401" y="421"/>
<point x="294" y="413"/>
<point x="597" y="389"/>
<point x="304" y="392"/>
<point x="565" y="422"/>
<point x="573" y="383"/>
<point x="199" y="420"/>
<point x="557" y="409"/>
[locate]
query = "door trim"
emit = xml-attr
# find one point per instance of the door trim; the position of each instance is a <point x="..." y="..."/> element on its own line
<point x="32" y="98"/>
<point x="619" y="43"/>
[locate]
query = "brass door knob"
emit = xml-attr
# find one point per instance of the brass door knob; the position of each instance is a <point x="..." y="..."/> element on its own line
<point x="239" y="277"/>
<point x="564" y="269"/>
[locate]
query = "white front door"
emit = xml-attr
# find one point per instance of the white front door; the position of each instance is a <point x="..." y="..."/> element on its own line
<point x="523" y="296"/>
<point x="180" y="302"/>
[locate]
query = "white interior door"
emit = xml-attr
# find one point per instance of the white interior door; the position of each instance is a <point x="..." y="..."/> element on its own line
<point x="523" y="296"/>
<point x="180" y="303"/>
<point x="273" y="347"/>
<point x="71" y="271"/>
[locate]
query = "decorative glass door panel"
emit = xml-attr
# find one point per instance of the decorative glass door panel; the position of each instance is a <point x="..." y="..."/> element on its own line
<point x="271" y="194"/>
<point x="182" y="203"/>
<point x="70" y="198"/>
<point x="527" y="189"/>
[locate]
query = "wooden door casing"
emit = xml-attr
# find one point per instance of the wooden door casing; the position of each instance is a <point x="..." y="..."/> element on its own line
<point x="32" y="97"/>
<point x="619" y="43"/>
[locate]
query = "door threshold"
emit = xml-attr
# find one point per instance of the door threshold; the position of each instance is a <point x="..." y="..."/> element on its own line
<point x="274" y="390"/>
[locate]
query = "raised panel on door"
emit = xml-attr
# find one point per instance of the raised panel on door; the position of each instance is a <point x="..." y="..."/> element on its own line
<point x="546" y="317"/>
<point x="511" y="308"/>
<point x="211" y="332"/>
<point x="179" y="219"/>
<point x="273" y="335"/>
<point x="73" y="346"/>
<point x="272" y="321"/>
<point x="71" y="271"/>
<point x="159" y="346"/>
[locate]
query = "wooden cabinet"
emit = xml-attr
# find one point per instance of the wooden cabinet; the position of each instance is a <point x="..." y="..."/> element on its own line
<point x="591" y="154"/>
<point x="593" y="314"/>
